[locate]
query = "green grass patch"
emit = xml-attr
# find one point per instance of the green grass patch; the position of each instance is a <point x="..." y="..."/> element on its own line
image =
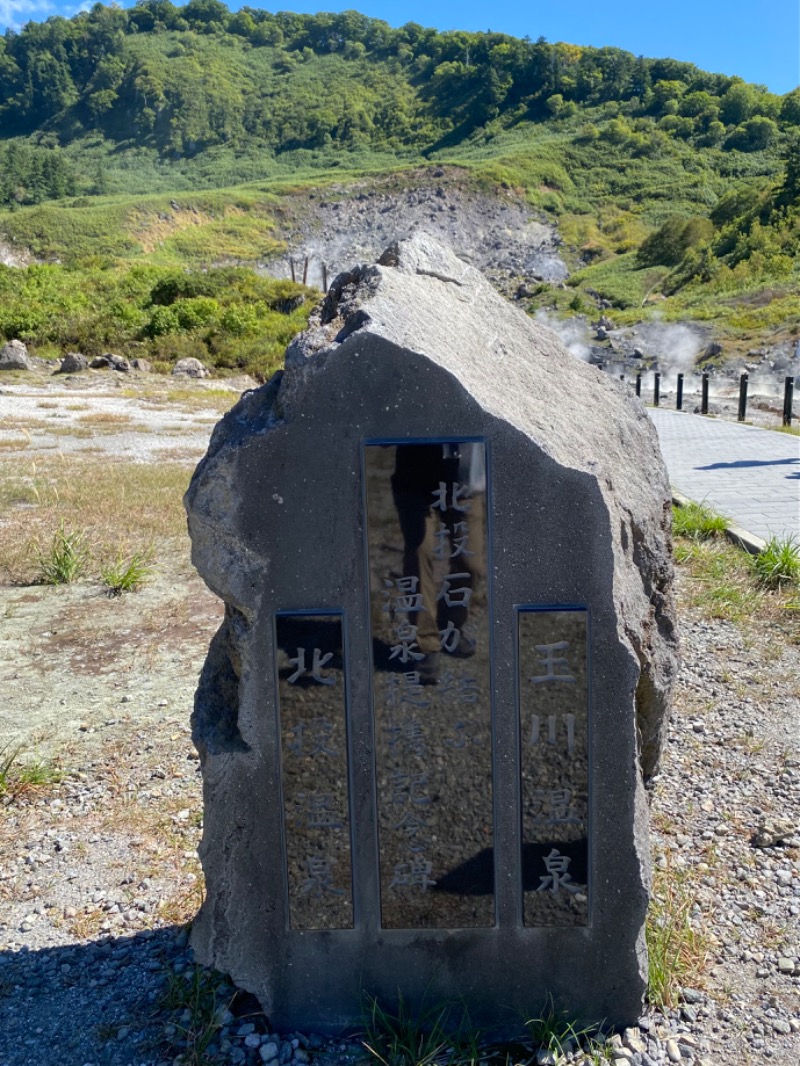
<point x="778" y="565"/>
<point x="554" y="1031"/>
<point x="620" y="280"/>
<point x="722" y="584"/>
<point x="199" y="998"/>
<point x="697" y="521"/>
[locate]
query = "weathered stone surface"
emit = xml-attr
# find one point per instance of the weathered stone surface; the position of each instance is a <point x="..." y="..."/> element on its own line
<point x="109" y="359"/>
<point x="420" y="347"/>
<point x="190" y="368"/>
<point x="14" y="356"/>
<point x="73" y="363"/>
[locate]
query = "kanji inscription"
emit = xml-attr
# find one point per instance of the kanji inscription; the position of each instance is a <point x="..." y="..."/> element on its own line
<point x="553" y="655"/>
<point x="314" y="769"/>
<point x="426" y="516"/>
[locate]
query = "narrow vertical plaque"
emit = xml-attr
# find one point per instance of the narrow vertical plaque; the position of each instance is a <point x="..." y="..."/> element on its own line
<point x="314" y="769"/>
<point x="553" y="657"/>
<point x="426" y="516"/>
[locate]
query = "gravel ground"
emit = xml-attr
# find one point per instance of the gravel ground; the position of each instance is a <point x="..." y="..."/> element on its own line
<point x="99" y="872"/>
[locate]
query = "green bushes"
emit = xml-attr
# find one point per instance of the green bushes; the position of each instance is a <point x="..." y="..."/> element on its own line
<point x="668" y="245"/>
<point x="228" y="317"/>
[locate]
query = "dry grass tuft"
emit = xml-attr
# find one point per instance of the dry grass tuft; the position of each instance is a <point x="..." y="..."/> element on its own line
<point x="106" y="418"/>
<point x="120" y="507"/>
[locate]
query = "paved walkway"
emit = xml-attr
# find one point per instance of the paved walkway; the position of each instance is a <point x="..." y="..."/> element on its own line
<point x="750" y="475"/>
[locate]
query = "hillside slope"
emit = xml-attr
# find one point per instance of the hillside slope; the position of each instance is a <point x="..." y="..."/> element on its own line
<point x="192" y="137"/>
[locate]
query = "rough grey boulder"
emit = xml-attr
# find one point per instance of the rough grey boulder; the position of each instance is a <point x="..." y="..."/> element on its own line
<point x="190" y="368"/>
<point x="73" y="363"/>
<point x="416" y="347"/>
<point x="14" y="356"/>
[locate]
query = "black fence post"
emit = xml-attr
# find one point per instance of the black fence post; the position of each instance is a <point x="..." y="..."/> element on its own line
<point x="788" y="400"/>
<point x="679" y="400"/>
<point x="704" y="399"/>
<point x="638" y="384"/>
<point x="742" y="397"/>
<point x="656" y="388"/>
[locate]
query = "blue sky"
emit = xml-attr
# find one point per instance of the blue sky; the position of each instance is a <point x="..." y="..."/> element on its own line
<point x="757" y="39"/>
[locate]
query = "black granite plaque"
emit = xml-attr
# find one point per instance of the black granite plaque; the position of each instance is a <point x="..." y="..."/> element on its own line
<point x="426" y="516"/>
<point x="553" y="649"/>
<point x="314" y="769"/>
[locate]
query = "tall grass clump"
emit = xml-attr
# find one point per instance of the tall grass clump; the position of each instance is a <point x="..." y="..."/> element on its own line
<point x="779" y="563"/>
<point x="65" y="560"/>
<point x="127" y="575"/>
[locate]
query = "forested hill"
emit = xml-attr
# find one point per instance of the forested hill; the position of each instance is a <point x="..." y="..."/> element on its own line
<point x="187" y="136"/>
<point x="157" y="85"/>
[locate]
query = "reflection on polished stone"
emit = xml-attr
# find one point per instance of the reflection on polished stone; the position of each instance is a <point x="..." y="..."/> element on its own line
<point x="314" y="769"/>
<point x="554" y="705"/>
<point x="426" y="517"/>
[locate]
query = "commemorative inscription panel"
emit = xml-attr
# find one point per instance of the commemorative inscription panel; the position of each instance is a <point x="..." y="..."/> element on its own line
<point x="427" y="544"/>
<point x="553" y="647"/>
<point x="314" y="769"/>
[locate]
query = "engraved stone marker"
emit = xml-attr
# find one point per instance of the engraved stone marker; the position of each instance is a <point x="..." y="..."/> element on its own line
<point x="445" y="666"/>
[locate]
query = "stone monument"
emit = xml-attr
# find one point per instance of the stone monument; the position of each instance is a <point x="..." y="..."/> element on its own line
<point x="444" y="672"/>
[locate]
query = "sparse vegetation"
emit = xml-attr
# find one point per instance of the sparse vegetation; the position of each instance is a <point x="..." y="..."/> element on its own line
<point x="200" y="997"/>
<point x="722" y="584"/>
<point x="677" y="951"/>
<point x="434" y="1034"/>
<point x="554" y="1031"/>
<point x="20" y="774"/>
<point x="65" y="559"/>
<point x="96" y="498"/>
<point x="126" y="575"/>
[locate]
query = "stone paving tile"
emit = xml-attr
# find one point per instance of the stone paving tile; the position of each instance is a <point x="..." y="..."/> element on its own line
<point x="751" y="475"/>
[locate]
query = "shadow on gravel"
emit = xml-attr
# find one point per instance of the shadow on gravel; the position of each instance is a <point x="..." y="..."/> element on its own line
<point x="90" y="1004"/>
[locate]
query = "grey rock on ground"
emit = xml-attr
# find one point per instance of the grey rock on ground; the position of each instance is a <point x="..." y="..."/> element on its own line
<point x="73" y="363"/>
<point x="14" y="356"/>
<point x="190" y="368"/>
